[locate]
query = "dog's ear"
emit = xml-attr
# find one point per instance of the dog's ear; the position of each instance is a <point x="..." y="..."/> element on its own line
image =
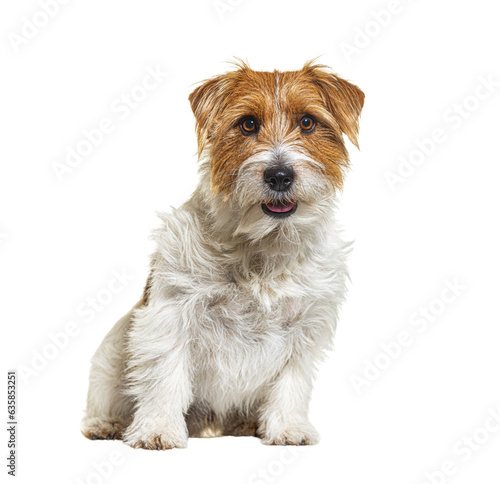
<point x="343" y="99"/>
<point x="208" y="102"/>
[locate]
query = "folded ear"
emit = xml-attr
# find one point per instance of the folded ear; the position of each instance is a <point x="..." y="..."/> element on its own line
<point x="343" y="99"/>
<point x="208" y="102"/>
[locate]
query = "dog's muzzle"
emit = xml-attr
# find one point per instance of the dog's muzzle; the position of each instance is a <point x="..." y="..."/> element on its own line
<point x="279" y="179"/>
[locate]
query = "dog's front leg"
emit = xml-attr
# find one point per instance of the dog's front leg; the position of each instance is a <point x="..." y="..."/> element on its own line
<point x="158" y="378"/>
<point x="284" y="414"/>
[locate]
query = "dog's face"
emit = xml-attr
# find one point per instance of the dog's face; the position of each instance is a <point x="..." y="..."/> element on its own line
<point x="274" y="139"/>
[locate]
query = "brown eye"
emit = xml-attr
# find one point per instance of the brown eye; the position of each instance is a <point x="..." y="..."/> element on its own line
<point x="248" y="125"/>
<point x="307" y="123"/>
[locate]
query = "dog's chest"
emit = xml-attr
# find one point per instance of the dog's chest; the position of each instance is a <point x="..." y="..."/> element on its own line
<point x="242" y="339"/>
<point x="245" y="315"/>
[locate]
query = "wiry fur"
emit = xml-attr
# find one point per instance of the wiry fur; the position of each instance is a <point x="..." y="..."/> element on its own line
<point x="239" y="307"/>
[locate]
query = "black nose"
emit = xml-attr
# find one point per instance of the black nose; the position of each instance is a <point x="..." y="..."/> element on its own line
<point x="280" y="178"/>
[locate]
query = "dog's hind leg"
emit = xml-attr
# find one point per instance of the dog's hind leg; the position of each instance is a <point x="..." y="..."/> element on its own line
<point x="240" y="427"/>
<point x="241" y="424"/>
<point x="109" y="409"/>
<point x="201" y="421"/>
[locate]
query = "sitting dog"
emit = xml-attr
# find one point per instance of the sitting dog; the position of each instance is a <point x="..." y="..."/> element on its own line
<point x="246" y="282"/>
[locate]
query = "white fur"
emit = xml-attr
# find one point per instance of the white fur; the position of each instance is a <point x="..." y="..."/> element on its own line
<point x="241" y="309"/>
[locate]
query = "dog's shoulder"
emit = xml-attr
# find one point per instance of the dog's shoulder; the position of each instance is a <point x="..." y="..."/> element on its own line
<point x="180" y="244"/>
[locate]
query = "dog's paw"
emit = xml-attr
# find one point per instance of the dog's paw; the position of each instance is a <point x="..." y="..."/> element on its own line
<point x="293" y="435"/>
<point x="156" y="439"/>
<point x="97" y="428"/>
<point x="157" y="442"/>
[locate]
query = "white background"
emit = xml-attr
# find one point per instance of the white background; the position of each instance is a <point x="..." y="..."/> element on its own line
<point x="60" y="241"/>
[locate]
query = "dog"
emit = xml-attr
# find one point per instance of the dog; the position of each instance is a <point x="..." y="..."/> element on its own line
<point x="248" y="276"/>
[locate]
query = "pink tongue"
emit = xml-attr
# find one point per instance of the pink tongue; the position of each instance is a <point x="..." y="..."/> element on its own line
<point x="280" y="208"/>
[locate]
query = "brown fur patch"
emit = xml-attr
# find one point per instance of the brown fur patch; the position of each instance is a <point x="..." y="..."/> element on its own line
<point x="277" y="100"/>
<point x="147" y="289"/>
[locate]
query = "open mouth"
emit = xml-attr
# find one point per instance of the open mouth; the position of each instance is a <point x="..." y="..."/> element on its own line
<point x="279" y="209"/>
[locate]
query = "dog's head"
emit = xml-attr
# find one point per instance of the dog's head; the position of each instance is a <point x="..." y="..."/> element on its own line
<point x="274" y="140"/>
